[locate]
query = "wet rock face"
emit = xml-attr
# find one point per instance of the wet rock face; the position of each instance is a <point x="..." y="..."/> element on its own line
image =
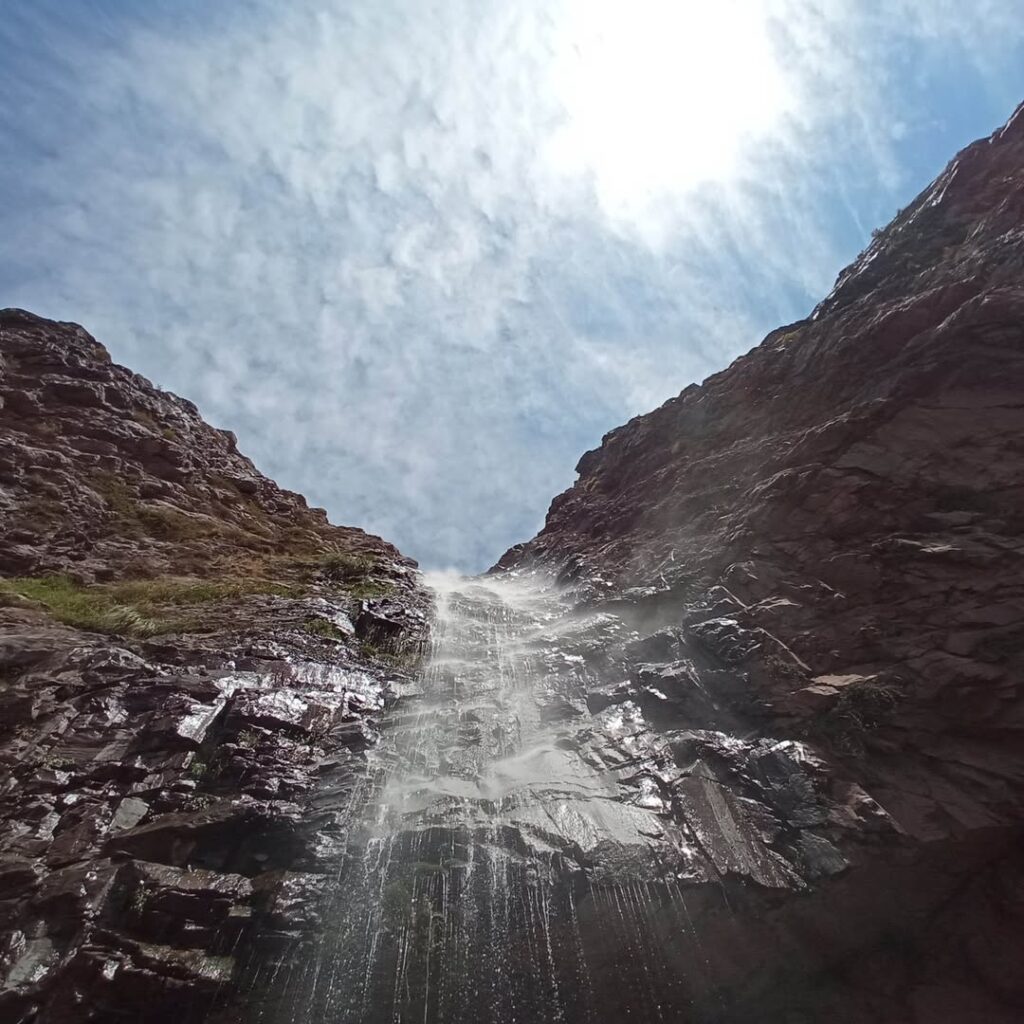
<point x="832" y="528"/>
<point x="192" y="666"/>
<point x="735" y="738"/>
<point x="571" y="820"/>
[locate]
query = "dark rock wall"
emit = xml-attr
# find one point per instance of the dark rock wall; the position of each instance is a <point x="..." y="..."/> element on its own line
<point x="799" y="617"/>
<point x="834" y="523"/>
<point x="191" y="665"/>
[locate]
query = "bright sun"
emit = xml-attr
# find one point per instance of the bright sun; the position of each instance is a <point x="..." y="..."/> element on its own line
<point x="660" y="95"/>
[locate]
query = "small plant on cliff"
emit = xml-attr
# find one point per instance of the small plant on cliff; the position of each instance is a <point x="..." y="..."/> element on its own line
<point x="353" y="570"/>
<point x="146" y="419"/>
<point x="396" y="659"/>
<point x="860" y="708"/>
<point x="248" y="738"/>
<point x="134" y="607"/>
<point x="170" y="524"/>
<point x="346" y="566"/>
<point x="90" y="608"/>
<point x="323" y="628"/>
<point x="117" y="495"/>
<point x="183" y="591"/>
<point x="401" y="909"/>
<point x="39" y="510"/>
<point x="138" y="901"/>
<point x="369" y="589"/>
<point x="57" y="762"/>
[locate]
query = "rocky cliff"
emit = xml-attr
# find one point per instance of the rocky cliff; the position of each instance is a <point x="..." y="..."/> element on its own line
<point x="191" y="664"/>
<point x="754" y="755"/>
<point x="830" y="532"/>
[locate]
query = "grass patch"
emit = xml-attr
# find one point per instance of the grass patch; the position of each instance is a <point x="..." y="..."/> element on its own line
<point x="370" y="589"/>
<point x="352" y="570"/>
<point x="145" y="418"/>
<point x="47" y="428"/>
<point x="346" y="566"/>
<point x="84" y="607"/>
<point x="118" y="496"/>
<point x="39" y="510"/>
<point x="135" y="607"/>
<point x="248" y="738"/>
<point x="139" y="901"/>
<point x="179" y="592"/>
<point x="163" y="521"/>
<point x="323" y="628"/>
<point x="345" y="569"/>
<point x="375" y="652"/>
<point x="169" y="524"/>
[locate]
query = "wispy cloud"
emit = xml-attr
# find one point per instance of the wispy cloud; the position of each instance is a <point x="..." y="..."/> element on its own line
<point x="420" y="256"/>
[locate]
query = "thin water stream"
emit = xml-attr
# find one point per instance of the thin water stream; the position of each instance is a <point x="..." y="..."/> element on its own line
<point x="508" y="864"/>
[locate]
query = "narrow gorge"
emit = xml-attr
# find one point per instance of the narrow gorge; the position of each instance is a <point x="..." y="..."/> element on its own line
<point x="736" y="737"/>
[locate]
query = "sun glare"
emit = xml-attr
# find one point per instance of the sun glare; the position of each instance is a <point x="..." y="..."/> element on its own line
<point x="661" y="95"/>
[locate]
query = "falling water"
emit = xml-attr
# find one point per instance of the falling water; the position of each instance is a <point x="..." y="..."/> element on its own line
<point x="506" y="865"/>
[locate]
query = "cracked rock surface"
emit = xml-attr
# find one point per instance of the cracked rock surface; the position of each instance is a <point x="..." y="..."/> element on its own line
<point x="833" y="524"/>
<point x="192" y="665"/>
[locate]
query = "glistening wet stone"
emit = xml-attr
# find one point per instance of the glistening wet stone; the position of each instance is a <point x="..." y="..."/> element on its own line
<point x="516" y="865"/>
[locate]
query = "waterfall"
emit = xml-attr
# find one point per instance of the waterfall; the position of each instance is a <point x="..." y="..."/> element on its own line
<point x="506" y="864"/>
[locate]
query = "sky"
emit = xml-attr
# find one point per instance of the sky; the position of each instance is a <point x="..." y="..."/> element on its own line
<point x="421" y="254"/>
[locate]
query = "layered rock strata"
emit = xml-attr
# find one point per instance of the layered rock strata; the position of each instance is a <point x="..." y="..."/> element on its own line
<point x="830" y="530"/>
<point x="192" y="662"/>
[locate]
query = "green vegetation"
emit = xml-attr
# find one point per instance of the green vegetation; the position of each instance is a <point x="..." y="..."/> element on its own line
<point x="346" y="566"/>
<point x="323" y="628"/>
<point x="396" y="902"/>
<point x="138" y="901"/>
<point x="135" y="607"/>
<point x="39" y="510"/>
<point x="116" y="493"/>
<point x="146" y="419"/>
<point x="349" y="570"/>
<point x="56" y="761"/>
<point x="370" y="589"/>
<point x="405" y="659"/>
<point x="183" y="591"/>
<point x="45" y="428"/>
<point x="159" y="519"/>
<point x="352" y="570"/>
<point x="248" y="738"/>
<point x="257" y="543"/>
<point x="169" y="524"/>
<point x="85" y="607"/>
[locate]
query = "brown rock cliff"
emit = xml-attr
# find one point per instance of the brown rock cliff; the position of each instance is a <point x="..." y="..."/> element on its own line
<point x="835" y="521"/>
<point x="191" y="665"/>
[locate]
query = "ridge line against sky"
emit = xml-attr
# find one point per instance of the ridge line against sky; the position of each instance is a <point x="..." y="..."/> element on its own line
<point x="419" y="257"/>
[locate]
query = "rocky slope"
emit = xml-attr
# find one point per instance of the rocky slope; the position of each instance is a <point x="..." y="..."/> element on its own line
<point x="830" y="532"/>
<point x="191" y="664"/>
<point x="757" y="757"/>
